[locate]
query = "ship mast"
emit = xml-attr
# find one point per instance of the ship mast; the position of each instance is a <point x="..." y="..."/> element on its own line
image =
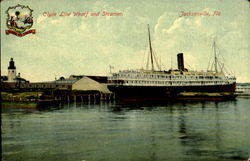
<point x="150" y="47"/>
<point x="215" y="59"/>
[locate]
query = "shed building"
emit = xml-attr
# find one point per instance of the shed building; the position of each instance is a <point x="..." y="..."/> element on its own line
<point x="86" y="83"/>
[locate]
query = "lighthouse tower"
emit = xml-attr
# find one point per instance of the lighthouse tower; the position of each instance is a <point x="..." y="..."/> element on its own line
<point x="11" y="71"/>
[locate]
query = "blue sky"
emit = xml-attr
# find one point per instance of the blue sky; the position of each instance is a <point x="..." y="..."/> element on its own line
<point x="88" y="45"/>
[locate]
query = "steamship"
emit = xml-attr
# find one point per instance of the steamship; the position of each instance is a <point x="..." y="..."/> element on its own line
<point x="181" y="83"/>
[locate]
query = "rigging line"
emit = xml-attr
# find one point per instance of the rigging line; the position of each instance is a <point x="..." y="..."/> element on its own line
<point x="189" y="67"/>
<point x="155" y="57"/>
<point x="143" y="58"/>
<point x="226" y="67"/>
<point x="220" y="65"/>
<point x="147" y="65"/>
<point x="210" y="63"/>
<point x="171" y="62"/>
<point x="215" y="58"/>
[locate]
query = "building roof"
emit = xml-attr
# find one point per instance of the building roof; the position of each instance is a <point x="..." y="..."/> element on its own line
<point x="100" y="79"/>
<point x="76" y="77"/>
<point x="20" y="79"/>
<point x="4" y="78"/>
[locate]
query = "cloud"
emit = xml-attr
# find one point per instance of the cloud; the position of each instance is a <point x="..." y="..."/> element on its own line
<point x="74" y="45"/>
<point x="194" y="37"/>
<point x="79" y="45"/>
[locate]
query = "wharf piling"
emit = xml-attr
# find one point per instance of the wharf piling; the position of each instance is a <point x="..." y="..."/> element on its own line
<point x="57" y="96"/>
<point x="83" y="96"/>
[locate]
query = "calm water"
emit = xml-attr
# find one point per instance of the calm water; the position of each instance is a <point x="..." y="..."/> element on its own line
<point x="200" y="131"/>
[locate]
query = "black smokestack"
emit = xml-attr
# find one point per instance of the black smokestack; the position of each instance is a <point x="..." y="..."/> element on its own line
<point x="180" y="61"/>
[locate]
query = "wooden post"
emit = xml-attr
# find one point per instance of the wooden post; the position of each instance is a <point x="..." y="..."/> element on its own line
<point x="94" y="98"/>
<point x="89" y="98"/>
<point x="74" y="98"/>
<point x="101" y="96"/>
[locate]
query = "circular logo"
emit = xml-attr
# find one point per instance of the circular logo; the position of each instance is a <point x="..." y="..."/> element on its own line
<point x="19" y="18"/>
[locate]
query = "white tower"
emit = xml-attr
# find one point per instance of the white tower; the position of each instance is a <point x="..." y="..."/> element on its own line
<point x="11" y="71"/>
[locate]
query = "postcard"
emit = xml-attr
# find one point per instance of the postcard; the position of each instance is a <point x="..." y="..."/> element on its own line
<point x="125" y="80"/>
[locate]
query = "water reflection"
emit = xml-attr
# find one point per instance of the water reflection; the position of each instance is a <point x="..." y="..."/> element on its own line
<point x="135" y="131"/>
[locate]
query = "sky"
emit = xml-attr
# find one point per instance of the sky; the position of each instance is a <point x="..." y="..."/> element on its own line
<point x="79" y="45"/>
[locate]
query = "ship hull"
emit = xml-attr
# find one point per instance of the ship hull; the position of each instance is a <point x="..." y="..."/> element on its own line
<point x="140" y="93"/>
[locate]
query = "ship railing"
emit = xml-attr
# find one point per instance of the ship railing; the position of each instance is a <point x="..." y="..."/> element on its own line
<point x="170" y="83"/>
<point x="205" y="81"/>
